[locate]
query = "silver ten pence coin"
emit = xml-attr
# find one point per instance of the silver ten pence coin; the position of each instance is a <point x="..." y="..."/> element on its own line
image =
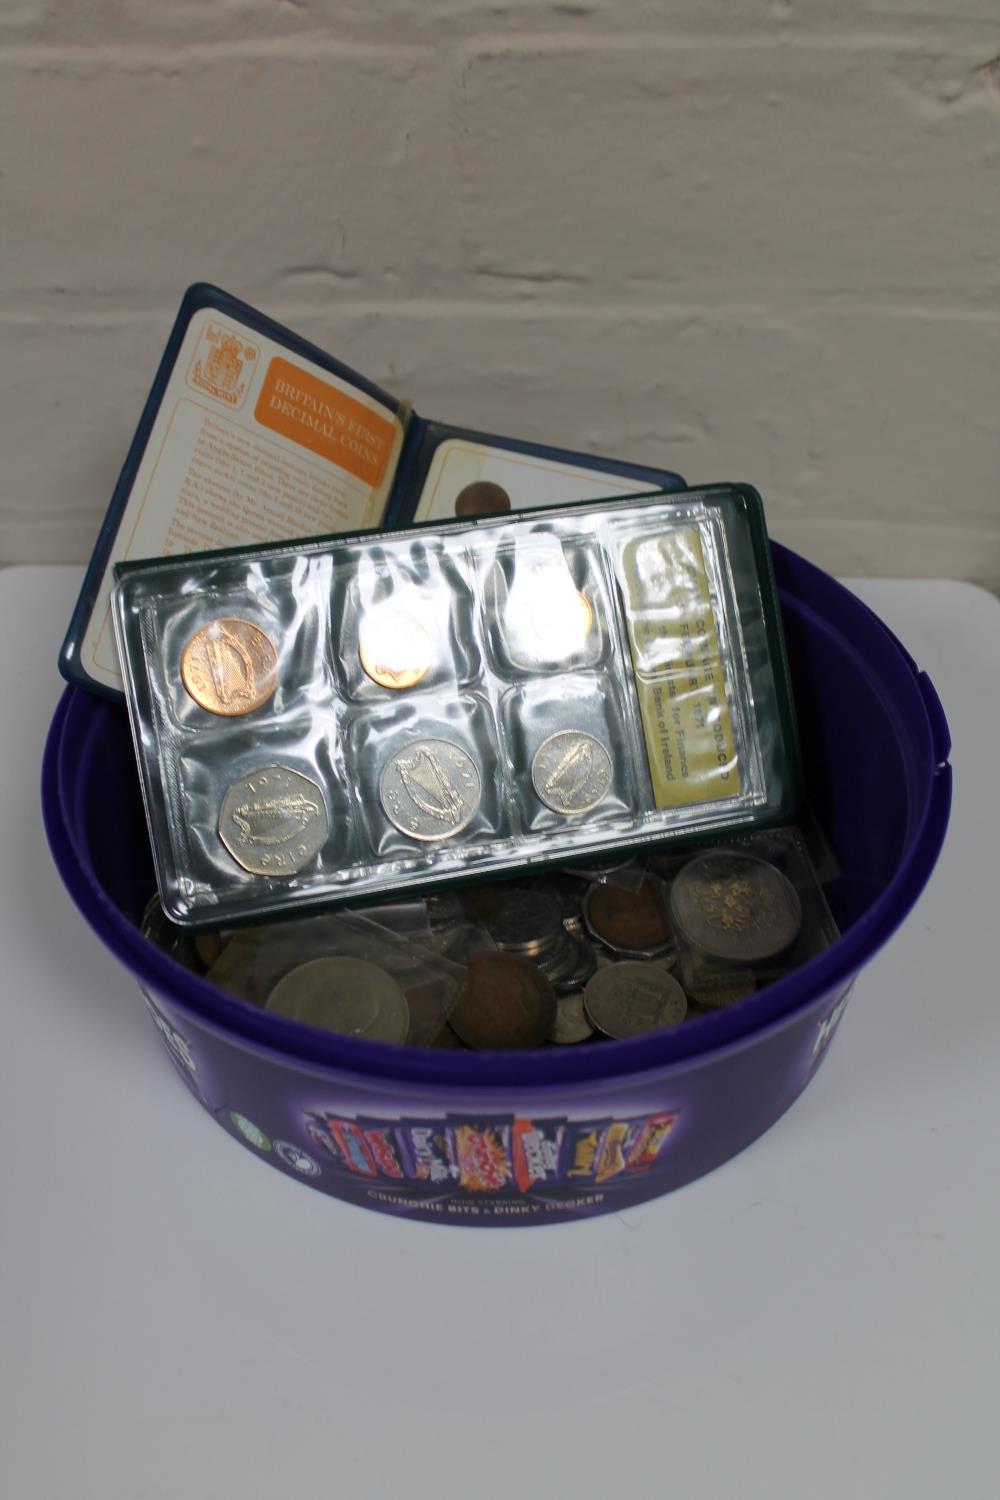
<point x="274" y="821"/>
<point x="347" y="995"/>
<point x="430" y="789"/>
<point x="571" y="772"/>
<point x="626" y="999"/>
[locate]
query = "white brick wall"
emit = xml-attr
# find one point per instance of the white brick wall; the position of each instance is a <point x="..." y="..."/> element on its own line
<point x="756" y="241"/>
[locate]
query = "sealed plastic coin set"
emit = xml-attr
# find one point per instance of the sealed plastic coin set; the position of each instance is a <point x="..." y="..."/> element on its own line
<point x="319" y="723"/>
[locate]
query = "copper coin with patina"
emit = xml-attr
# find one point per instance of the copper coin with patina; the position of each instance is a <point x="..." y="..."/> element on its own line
<point x="631" y="922"/>
<point x="504" y="1003"/>
<point x="395" y="649"/>
<point x="230" y="667"/>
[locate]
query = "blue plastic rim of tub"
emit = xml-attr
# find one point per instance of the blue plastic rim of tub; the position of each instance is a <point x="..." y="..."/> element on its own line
<point x="516" y="1138"/>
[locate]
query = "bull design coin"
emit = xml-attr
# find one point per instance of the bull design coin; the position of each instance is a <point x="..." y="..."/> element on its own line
<point x="503" y="1003"/>
<point x="627" y="999"/>
<point x="571" y="772"/>
<point x="346" y="995"/>
<point x="735" y="907"/>
<point x="274" y="821"/>
<point x="394" y="648"/>
<point x="230" y="667"/>
<point x="430" y="790"/>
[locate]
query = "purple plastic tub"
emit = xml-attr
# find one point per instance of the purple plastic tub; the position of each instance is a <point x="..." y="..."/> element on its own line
<point x="528" y="1138"/>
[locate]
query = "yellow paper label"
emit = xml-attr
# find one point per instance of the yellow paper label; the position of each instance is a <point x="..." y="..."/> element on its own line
<point x="674" y="640"/>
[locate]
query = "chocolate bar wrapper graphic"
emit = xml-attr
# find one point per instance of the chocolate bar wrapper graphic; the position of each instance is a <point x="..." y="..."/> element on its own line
<point x="645" y="1145"/>
<point x="318" y="1132"/>
<point x="581" y="1150"/>
<point x="536" y="1147"/>
<point x="480" y="1150"/>
<point x="423" y="1149"/>
<point x="380" y="1136"/>
<point x="611" y="1157"/>
<point x="351" y="1140"/>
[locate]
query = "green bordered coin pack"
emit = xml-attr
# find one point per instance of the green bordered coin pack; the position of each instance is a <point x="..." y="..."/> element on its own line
<point x="328" y="721"/>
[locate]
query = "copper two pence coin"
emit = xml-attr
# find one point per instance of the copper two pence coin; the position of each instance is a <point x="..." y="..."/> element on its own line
<point x="504" y="1003"/>
<point x="633" y="923"/>
<point x="230" y="667"/>
<point x="395" y="649"/>
<point x="735" y="907"/>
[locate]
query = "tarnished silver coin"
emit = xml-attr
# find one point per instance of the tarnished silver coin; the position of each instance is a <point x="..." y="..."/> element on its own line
<point x="626" y="999"/>
<point x="274" y="821"/>
<point x="347" y="995"/>
<point x="571" y="772"/>
<point x="527" y="921"/>
<point x="735" y="907"/>
<point x="571" y="1025"/>
<point x="430" y="789"/>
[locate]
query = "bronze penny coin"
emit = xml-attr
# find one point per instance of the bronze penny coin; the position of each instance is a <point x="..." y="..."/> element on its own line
<point x="561" y="622"/>
<point x="735" y="907"/>
<point x="481" y="499"/>
<point x="230" y="667"/>
<point x="633" y="923"/>
<point x="503" y="1003"/>
<point x="395" y="649"/>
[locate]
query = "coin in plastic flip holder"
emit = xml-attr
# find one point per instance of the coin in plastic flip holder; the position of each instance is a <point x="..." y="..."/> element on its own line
<point x="230" y="667"/>
<point x="430" y="789"/>
<point x="274" y="821"/>
<point x="571" y="772"/>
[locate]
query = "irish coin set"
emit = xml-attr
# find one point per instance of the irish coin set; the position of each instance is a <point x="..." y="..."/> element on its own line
<point x="318" y="723"/>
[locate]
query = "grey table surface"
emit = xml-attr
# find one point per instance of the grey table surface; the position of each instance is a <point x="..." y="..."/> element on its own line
<point x="816" y="1318"/>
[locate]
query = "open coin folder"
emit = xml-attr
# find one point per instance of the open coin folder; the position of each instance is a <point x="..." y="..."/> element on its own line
<point x="324" y="722"/>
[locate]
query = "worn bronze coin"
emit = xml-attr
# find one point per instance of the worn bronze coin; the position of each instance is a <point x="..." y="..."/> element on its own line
<point x="230" y="667"/>
<point x="627" y="999"/>
<point x="482" y="498"/>
<point x="735" y="907"/>
<point x="395" y="649"/>
<point x="633" y="923"/>
<point x="503" y="1003"/>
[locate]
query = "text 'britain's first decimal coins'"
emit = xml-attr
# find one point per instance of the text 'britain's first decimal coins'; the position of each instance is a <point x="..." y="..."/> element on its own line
<point x="571" y="772"/>
<point x="430" y="789"/>
<point x="735" y="907"/>
<point x="230" y="667"/>
<point x="274" y="821"/>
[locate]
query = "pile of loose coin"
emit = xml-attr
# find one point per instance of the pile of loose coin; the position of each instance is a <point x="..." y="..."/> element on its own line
<point x="612" y="952"/>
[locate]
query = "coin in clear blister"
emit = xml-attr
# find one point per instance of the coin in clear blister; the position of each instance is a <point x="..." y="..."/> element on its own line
<point x="561" y="621"/>
<point x="274" y="821"/>
<point x="346" y="995"/>
<point x="395" y="649"/>
<point x="627" y="999"/>
<point x="503" y="1003"/>
<point x="571" y="1025"/>
<point x="735" y="907"/>
<point x="230" y="667"/>
<point x="633" y="923"/>
<point x="571" y="772"/>
<point x="430" y="789"/>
